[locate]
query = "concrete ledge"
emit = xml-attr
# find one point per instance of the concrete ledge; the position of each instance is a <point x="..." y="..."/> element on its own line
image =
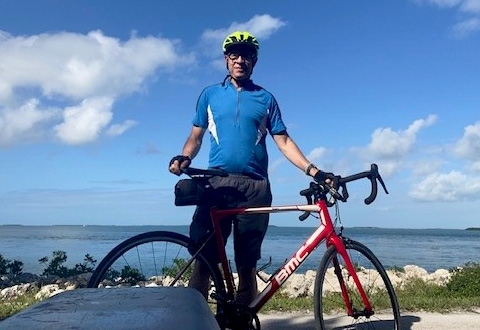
<point x="122" y="308"/>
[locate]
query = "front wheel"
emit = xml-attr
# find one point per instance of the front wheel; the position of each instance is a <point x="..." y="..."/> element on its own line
<point x="157" y="258"/>
<point x="330" y="306"/>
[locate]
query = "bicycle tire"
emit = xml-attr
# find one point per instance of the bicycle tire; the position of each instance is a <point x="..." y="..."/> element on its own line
<point x="330" y="309"/>
<point x="147" y="247"/>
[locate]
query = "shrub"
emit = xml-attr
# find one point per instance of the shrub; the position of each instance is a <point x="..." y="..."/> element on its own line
<point x="56" y="267"/>
<point x="14" y="267"/>
<point x="178" y="265"/>
<point x="131" y="275"/>
<point x="465" y="281"/>
<point x="3" y="265"/>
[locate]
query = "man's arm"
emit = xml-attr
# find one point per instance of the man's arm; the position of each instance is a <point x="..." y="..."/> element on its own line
<point x="288" y="147"/>
<point x="190" y="149"/>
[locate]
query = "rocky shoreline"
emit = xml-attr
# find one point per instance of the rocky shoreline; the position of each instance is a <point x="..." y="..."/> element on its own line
<point x="301" y="285"/>
<point x="298" y="285"/>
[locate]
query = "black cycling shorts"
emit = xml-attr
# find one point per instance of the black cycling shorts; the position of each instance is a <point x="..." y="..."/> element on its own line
<point x="248" y="230"/>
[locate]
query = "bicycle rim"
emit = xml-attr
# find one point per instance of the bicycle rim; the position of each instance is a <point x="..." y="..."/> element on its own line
<point x="330" y="308"/>
<point x="152" y="259"/>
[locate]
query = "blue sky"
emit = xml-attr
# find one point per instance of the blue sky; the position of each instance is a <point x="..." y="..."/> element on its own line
<point x="96" y="97"/>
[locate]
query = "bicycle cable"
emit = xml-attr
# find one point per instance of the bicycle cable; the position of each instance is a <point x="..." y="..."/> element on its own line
<point x="337" y="216"/>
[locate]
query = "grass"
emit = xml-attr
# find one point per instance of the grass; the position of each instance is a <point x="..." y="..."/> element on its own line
<point x="14" y="305"/>
<point x="461" y="293"/>
<point x="280" y="302"/>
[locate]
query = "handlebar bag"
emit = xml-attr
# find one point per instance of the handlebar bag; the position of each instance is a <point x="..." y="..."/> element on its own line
<point x="189" y="192"/>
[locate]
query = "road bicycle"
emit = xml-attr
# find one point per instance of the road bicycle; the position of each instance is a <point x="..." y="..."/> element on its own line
<point x="351" y="291"/>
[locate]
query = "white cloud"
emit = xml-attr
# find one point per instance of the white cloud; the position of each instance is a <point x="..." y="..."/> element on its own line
<point x="471" y="6"/>
<point x="452" y="186"/>
<point x="275" y="164"/>
<point x="81" y="66"/>
<point x="316" y="154"/>
<point x="465" y="28"/>
<point x="83" y="123"/>
<point x="119" y="129"/>
<point x="25" y="123"/>
<point x="426" y="167"/>
<point x="440" y="3"/>
<point x="261" y="26"/>
<point x="77" y="69"/>
<point x="468" y="147"/>
<point x="389" y="147"/>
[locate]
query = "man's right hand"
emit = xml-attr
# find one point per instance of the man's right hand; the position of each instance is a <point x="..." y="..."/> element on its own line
<point x="179" y="162"/>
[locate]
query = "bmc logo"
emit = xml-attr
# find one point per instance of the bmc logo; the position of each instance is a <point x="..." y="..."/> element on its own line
<point x="292" y="265"/>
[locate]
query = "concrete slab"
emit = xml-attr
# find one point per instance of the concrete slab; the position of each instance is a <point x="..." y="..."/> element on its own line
<point x="118" y="309"/>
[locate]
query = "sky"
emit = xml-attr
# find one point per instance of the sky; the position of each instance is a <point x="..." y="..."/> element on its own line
<point x="96" y="97"/>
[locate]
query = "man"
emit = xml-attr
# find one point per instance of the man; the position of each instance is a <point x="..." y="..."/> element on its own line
<point x="238" y="115"/>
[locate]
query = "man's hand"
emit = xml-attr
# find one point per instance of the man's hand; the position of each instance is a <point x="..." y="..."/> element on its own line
<point x="327" y="177"/>
<point x="179" y="162"/>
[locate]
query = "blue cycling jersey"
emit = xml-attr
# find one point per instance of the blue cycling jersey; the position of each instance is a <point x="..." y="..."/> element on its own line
<point x="238" y="121"/>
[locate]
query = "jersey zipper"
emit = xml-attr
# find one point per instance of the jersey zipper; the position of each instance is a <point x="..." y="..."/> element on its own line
<point x="237" y="111"/>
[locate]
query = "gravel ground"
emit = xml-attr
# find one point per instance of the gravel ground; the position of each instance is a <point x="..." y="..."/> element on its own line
<point x="415" y="321"/>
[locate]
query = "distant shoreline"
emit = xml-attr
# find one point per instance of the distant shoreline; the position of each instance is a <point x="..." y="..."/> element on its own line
<point x="186" y="225"/>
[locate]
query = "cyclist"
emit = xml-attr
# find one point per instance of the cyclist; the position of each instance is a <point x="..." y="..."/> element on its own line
<point x="238" y="115"/>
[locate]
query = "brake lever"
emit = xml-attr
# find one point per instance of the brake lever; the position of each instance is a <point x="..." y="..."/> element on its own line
<point x="382" y="183"/>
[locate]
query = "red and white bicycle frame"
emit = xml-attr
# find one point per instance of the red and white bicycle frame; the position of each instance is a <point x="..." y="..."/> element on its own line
<point x="325" y="231"/>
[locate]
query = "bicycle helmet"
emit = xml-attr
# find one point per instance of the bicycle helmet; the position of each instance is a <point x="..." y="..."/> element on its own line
<point x="240" y="38"/>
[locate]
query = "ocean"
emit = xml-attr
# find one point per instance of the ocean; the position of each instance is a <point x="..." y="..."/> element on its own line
<point x="428" y="248"/>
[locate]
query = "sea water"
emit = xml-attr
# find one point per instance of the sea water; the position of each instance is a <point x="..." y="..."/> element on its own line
<point x="428" y="248"/>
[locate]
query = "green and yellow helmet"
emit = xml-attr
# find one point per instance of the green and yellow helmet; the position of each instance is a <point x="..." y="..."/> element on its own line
<point x="240" y="38"/>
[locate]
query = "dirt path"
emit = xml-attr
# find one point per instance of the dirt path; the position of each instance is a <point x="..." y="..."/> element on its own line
<point x="413" y="321"/>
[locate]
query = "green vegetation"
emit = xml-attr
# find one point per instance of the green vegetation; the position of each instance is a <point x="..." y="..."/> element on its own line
<point x="131" y="275"/>
<point x="280" y="302"/>
<point x="14" y="305"/>
<point x="8" y="267"/>
<point x="474" y="228"/>
<point x="462" y="292"/>
<point x="56" y="267"/>
<point x="465" y="281"/>
<point x="178" y="265"/>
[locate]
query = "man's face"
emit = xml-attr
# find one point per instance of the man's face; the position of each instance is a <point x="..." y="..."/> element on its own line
<point x="240" y="62"/>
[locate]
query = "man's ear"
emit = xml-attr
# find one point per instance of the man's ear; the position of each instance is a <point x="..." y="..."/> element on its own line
<point x="226" y="61"/>
<point x="254" y="62"/>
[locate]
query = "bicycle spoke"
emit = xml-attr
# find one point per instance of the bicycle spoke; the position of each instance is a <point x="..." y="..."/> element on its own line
<point x="154" y="260"/>
<point x="330" y="308"/>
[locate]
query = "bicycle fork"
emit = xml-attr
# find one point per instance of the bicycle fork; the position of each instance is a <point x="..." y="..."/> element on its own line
<point x="340" y="247"/>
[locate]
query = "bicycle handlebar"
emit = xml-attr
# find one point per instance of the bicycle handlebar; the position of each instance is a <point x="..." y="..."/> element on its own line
<point x="318" y="189"/>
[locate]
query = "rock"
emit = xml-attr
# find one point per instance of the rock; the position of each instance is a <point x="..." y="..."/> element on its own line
<point x="440" y="276"/>
<point x="77" y="281"/>
<point x="397" y="278"/>
<point x="47" y="291"/>
<point x="46" y="280"/>
<point x="297" y="286"/>
<point x="415" y="271"/>
<point x="16" y="290"/>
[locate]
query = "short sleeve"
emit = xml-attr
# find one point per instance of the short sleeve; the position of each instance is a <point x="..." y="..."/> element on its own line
<point x="275" y="123"/>
<point x="201" y="117"/>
